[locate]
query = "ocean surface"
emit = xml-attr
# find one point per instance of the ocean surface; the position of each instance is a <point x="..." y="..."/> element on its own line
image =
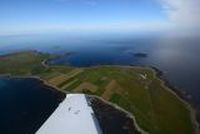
<point x="25" y="104"/>
<point x="177" y="57"/>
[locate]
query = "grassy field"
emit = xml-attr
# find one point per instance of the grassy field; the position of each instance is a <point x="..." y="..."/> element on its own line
<point x="135" y="89"/>
<point x="23" y="63"/>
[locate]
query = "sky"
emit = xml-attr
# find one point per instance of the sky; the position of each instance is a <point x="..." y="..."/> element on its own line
<point x="35" y="16"/>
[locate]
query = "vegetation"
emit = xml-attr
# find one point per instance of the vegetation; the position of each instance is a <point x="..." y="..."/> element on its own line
<point x="23" y="63"/>
<point x="136" y="89"/>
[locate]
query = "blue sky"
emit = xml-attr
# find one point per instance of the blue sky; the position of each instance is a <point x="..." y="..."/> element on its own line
<point x="26" y="16"/>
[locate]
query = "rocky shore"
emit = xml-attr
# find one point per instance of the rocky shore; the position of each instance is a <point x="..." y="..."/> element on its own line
<point x="184" y="97"/>
<point x="111" y="119"/>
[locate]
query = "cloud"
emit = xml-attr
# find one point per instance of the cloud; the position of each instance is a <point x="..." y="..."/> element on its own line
<point x="185" y="14"/>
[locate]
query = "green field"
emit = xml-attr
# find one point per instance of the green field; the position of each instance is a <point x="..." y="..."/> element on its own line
<point x="135" y="89"/>
<point x="23" y="63"/>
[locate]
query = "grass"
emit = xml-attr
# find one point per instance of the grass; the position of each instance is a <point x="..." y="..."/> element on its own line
<point x="115" y="98"/>
<point x="66" y="82"/>
<point x="24" y="63"/>
<point x="156" y="110"/>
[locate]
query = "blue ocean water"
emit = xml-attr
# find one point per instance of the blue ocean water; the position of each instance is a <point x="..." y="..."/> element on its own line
<point x="25" y="104"/>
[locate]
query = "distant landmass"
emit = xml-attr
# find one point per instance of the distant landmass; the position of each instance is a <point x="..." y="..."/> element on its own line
<point x="141" y="55"/>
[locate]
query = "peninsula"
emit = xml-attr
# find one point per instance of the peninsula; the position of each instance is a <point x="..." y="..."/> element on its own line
<point x="137" y="90"/>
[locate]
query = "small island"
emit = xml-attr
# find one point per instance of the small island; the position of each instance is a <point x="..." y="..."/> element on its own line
<point x="137" y="90"/>
<point x="141" y="55"/>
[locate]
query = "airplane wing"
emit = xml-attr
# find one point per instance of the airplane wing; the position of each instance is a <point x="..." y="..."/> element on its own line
<point x="73" y="116"/>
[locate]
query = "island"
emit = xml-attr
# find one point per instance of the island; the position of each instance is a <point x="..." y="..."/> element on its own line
<point x="153" y="106"/>
<point x="141" y="55"/>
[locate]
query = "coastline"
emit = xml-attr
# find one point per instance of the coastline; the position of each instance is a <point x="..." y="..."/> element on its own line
<point x="130" y="115"/>
<point x="181" y="96"/>
<point x="52" y="87"/>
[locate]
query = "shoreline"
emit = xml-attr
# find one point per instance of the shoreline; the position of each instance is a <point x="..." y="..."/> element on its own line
<point x="180" y="95"/>
<point x="130" y="115"/>
<point x="54" y="88"/>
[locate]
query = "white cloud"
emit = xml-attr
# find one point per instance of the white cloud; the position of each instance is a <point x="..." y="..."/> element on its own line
<point x="185" y="14"/>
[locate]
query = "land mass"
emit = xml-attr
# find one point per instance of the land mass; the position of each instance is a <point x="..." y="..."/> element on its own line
<point x="138" y="90"/>
<point x="141" y="55"/>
